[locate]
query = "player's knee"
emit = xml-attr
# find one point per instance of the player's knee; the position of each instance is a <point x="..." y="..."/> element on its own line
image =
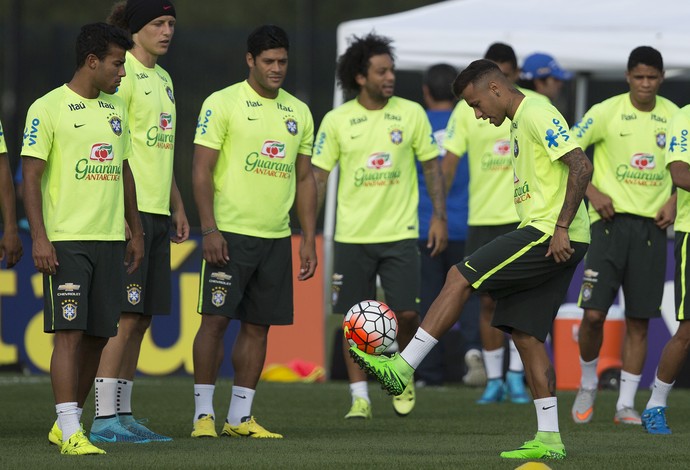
<point x="593" y="320"/>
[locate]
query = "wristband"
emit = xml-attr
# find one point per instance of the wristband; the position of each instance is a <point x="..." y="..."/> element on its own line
<point x="208" y="231"/>
<point x="562" y="226"/>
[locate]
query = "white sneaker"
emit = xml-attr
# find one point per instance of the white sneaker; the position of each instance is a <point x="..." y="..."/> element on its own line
<point x="627" y="416"/>
<point x="476" y="373"/>
<point x="583" y="407"/>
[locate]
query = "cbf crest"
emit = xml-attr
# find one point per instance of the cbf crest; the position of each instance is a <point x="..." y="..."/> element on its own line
<point x="396" y="136"/>
<point x="69" y="310"/>
<point x="115" y="124"/>
<point x="134" y="294"/>
<point x="661" y="139"/>
<point x="218" y="295"/>
<point x="291" y="126"/>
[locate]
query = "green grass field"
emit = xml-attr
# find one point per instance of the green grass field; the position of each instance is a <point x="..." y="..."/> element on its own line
<point x="446" y="430"/>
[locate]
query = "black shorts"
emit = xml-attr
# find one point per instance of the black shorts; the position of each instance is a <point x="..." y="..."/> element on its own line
<point x="147" y="290"/>
<point x="682" y="277"/>
<point x="480" y="235"/>
<point x="82" y="294"/>
<point x="629" y="251"/>
<point x="529" y="287"/>
<point x="355" y="267"/>
<point x="256" y="284"/>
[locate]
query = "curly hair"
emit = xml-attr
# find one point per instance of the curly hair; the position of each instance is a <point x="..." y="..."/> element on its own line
<point x="355" y="60"/>
<point x="96" y="39"/>
<point x="117" y="15"/>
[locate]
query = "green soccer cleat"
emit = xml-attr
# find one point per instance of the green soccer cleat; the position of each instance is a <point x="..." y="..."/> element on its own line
<point x="538" y="449"/>
<point x="393" y="373"/>
<point x="78" y="444"/>
<point x="205" y="426"/>
<point x="55" y="435"/>
<point x="404" y="404"/>
<point x="361" y="409"/>
<point x="249" y="428"/>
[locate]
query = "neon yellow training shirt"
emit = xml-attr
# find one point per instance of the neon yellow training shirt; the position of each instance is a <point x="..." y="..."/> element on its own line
<point x="377" y="190"/>
<point x="148" y="94"/>
<point x="3" y="145"/>
<point x="629" y="147"/>
<point x="491" y="168"/>
<point x="539" y="137"/>
<point x="83" y="142"/>
<point x="677" y="151"/>
<point x="258" y="140"/>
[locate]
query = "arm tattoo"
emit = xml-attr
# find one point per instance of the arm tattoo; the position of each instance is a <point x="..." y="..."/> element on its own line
<point x="579" y="174"/>
<point x="435" y="187"/>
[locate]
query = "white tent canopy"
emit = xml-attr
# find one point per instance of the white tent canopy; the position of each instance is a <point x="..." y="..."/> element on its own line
<point x="584" y="36"/>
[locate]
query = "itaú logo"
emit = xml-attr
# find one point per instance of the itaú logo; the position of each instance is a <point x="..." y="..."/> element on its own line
<point x="273" y="149"/>
<point x="643" y="161"/>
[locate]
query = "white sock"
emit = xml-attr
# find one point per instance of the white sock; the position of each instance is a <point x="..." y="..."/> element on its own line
<point x="418" y="348"/>
<point x="124" y="396"/>
<point x="203" y="400"/>
<point x="359" y="390"/>
<point x="547" y="414"/>
<point x="105" y="393"/>
<point x="515" y="362"/>
<point x="628" y="389"/>
<point x="660" y="393"/>
<point x="493" y="362"/>
<point x="589" y="379"/>
<point x="240" y="404"/>
<point x="68" y="419"/>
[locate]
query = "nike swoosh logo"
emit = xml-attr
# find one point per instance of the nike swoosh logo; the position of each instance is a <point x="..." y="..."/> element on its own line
<point x="467" y="264"/>
<point x="197" y="394"/>
<point x="240" y="396"/>
<point x="77" y="126"/>
<point x="112" y="438"/>
<point x="419" y="339"/>
<point x="167" y="7"/>
<point x="626" y="134"/>
<point x="585" y="415"/>
<point x="355" y="136"/>
<point x="252" y="119"/>
<point x="547" y="407"/>
<point x="148" y="92"/>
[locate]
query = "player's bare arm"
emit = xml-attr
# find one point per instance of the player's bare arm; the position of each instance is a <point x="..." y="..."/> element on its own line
<point x="305" y="201"/>
<point x="449" y="166"/>
<point x="579" y="174"/>
<point x="135" y="246"/>
<point x="214" y="246"/>
<point x="321" y="179"/>
<point x="438" y="228"/>
<point x="42" y="251"/>
<point x="601" y="202"/>
<point x="666" y="214"/>
<point x="178" y="214"/>
<point x="10" y="245"/>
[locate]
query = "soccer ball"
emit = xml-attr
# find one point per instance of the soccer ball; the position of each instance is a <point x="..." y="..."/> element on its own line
<point x="370" y="326"/>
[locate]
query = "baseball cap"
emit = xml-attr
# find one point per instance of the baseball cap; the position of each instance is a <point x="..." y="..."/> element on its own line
<point x="540" y="65"/>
